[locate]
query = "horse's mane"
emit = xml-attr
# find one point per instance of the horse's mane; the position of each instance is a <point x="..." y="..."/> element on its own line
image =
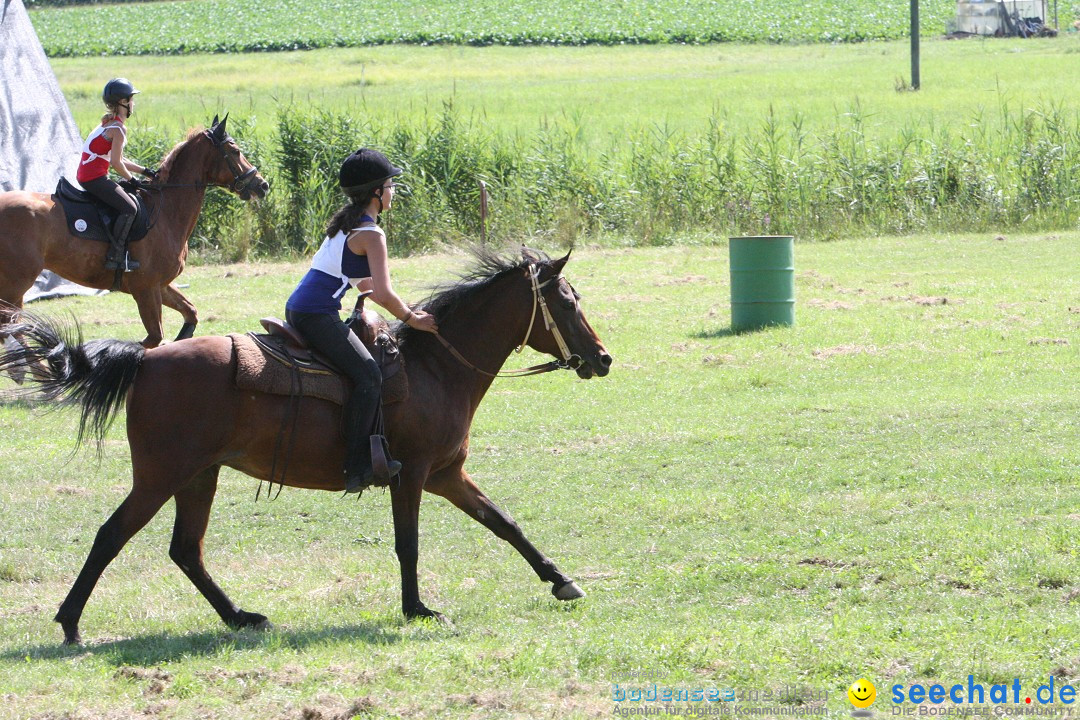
<point x="445" y="300"/>
<point x="170" y="157"/>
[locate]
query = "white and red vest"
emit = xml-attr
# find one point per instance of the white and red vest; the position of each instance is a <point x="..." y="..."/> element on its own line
<point x="94" y="162"/>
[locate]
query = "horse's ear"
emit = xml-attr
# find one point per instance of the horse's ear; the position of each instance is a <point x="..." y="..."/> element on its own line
<point x="561" y="262"/>
<point x="213" y="123"/>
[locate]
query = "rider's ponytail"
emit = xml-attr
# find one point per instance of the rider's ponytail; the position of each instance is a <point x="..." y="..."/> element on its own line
<point x="348" y="217"/>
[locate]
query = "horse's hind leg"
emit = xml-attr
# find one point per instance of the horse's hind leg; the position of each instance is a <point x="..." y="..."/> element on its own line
<point x="139" y="506"/>
<point x="455" y="485"/>
<point x="193" y="503"/>
<point x="172" y="298"/>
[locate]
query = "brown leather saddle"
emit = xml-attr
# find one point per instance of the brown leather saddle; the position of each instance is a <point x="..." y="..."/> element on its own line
<point x="283" y="343"/>
<point x="282" y="346"/>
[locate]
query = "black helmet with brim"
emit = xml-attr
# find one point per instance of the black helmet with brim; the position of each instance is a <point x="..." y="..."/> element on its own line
<point x="118" y="89"/>
<point x="365" y="170"/>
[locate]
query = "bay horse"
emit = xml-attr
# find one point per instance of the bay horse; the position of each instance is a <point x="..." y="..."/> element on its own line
<point x="34" y="235"/>
<point x="502" y="302"/>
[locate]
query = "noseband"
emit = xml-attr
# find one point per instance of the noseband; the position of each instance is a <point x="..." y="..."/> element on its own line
<point x="241" y="180"/>
<point x="569" y="361"/>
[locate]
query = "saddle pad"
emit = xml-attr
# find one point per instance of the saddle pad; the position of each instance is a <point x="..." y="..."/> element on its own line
<point x="262" y="372"/>
<point x="88" y="217"/>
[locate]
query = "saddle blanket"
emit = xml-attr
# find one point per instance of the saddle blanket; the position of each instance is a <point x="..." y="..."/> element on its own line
<point x="263" y="372"/>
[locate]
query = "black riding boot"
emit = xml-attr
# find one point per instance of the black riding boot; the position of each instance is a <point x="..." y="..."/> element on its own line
<point x="360" y="412"/>
<point x="117" y="254"/>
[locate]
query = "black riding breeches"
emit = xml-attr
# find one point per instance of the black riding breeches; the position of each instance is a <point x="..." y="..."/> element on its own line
<point x="112" y="195"/>
<point x="333" y="338"/>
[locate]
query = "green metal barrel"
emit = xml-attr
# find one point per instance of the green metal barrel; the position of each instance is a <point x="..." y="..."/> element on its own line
<point x="762" y="281"/>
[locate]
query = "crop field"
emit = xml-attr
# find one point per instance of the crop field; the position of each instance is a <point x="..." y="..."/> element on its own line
<point x="259" y="25"/>
<point x="885" y="490"/>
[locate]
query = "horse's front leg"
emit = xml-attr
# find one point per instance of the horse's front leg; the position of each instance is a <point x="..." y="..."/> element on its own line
<point x="149" y="302"/>
<point x="172" y="298"/>
<point x="454" y="484"/>
<point x="405" y="500"/>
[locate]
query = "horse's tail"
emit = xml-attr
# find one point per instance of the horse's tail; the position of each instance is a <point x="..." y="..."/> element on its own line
<point x="60" y="367"/>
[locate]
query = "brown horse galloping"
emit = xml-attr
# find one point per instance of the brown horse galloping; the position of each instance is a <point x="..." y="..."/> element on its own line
<point x="189" y="385"/>
<point x="34" y="234"/>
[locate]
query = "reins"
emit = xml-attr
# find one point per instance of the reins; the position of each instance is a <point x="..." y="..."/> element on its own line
<point x="569" y="361"/>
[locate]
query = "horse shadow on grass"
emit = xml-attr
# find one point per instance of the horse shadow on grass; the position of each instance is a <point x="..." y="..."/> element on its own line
<point x="158" y="648"/>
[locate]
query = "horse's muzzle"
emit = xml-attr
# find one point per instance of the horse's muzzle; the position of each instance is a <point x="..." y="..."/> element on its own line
<point x="256" y="189"/>
<point x="598" y="365"/>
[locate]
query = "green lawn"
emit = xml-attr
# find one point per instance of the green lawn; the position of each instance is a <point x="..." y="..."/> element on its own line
<point x="886" y="490"/>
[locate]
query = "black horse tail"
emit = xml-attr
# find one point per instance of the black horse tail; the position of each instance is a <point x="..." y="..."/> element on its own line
<point x="61" y="368"/>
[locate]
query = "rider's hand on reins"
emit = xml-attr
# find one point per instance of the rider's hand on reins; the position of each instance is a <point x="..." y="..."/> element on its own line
<point x="150" y="173"/>
<point x="420" y="320"/>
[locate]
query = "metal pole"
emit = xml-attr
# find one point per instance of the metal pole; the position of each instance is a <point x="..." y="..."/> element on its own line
<point x="483" y="212"/>
<point x="915" y="44"/>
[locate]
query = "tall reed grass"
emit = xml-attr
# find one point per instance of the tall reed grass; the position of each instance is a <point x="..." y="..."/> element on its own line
<point x="1020" y="169"/>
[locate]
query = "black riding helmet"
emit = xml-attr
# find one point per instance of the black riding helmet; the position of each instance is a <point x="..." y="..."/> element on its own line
<point x="118" y="89"/>
<point x="364" y="170"/>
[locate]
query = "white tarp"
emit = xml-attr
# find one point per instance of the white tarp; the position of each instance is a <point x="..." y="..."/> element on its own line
<point x="39" y="140"/>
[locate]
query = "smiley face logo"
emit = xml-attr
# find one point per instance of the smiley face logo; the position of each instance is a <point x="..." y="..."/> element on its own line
<point x="862" y="693"/>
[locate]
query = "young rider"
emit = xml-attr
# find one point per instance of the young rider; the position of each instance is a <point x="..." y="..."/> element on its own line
<point x="104" y="149"/>
<point x="354" y="253"/>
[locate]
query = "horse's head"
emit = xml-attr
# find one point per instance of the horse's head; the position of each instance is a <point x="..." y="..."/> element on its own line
<point x="229" y="168"/>
<point x="560" y="327"/>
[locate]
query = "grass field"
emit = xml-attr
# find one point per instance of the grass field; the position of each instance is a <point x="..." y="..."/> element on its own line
<point x="629" y="145"/>
<point x="886" y="490"/>
<point x="603" y="92"/>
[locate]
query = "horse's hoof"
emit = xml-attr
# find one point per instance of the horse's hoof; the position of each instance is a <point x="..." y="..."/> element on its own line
<point x="423" y="613"/>
<point x="249" y="620"/>
<point x="71" y="631"/>
<point x="568" y="591"/>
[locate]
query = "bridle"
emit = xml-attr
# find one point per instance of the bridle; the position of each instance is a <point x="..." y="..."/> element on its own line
<point x="242" y="180"/>
<point x="569" y="361"/>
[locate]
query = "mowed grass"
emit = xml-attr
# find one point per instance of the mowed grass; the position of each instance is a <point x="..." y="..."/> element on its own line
<point x="604" y="93"/>
<point x="886" y="490"/>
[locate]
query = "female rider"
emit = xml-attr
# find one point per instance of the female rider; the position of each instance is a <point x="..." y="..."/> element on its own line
<point x="104" y="149"/>
<point x="354" y="253"/>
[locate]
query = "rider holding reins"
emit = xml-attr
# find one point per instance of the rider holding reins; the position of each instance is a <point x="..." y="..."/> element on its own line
<point x="354" y="253"/>
<point x="104" y="149"/>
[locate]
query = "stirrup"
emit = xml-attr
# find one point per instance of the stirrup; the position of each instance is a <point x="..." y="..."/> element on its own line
<point x="129" y="264"/>
<point x="358" y="483"/>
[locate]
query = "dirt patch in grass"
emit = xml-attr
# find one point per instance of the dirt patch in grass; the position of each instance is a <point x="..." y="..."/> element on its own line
<point x="826" y="353"/>
<point x="328" y="708"/>
<point x="829" y="304"/>
<point x="823" y="562"/>
<point x="718" y="359"/>
<point x="684" y="280"/>
<point x="286" y="676"/>
<point x="1048" y="341"/>
<point x="71" y="490"/>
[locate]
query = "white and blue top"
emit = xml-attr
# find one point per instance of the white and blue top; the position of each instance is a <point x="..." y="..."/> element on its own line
<point x="333" y="269"/>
